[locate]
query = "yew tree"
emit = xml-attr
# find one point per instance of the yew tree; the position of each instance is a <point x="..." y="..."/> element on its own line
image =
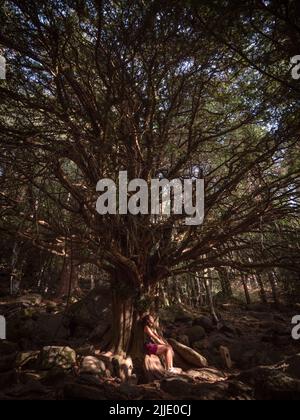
<point x="96" y="87"/>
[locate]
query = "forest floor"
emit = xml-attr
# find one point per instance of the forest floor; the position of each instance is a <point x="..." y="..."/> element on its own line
<point x="53" y="353"/>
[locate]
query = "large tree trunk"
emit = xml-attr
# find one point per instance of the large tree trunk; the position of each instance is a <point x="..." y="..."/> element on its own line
<point x="126" y="335"/>
<point x="123" y="319"/>
<point x="125" y="339"/>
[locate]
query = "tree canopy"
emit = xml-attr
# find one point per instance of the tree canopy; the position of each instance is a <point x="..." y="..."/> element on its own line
<point x="97" y="87"/>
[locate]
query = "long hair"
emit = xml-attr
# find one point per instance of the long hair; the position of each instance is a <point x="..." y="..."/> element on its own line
<point x="145" y="320"/>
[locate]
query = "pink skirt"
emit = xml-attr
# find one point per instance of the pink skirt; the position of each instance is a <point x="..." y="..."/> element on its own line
<point x="151" y="348"/>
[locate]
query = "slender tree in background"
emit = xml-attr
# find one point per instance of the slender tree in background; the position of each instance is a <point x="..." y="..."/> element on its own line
<point x="97" y="87"/>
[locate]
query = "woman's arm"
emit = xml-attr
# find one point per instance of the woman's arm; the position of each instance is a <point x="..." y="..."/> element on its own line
<point x="154" y="336"/>
<point x="161" y="338"/>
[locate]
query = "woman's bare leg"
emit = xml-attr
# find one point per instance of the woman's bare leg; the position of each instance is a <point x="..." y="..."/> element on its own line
<point x="167" y="352"/>
<point x="169" y="358"/>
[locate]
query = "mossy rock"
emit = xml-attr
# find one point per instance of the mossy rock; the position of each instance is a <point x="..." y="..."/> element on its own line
<point x="189" y="355"/>
<point x="57" y="357"/>
<point x="183" y="339"/>
<point x="8" y="347"/>
<point x="195" y="333"/>
<point x="92" y="365"/>
<point x="123" y="367"/>
<point x="32" y="299"/>
<point x="27" y="359"/>
<point x="176" y="313"/>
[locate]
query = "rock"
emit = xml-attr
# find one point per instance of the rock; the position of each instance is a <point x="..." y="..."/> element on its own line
<point x="276" y="328"/>
<point x="86" y="351"/>
<point x="240" y="391"/>
<point x="31" y="375"/>
<point x="78" y="392"/>
<point x="131" y="392"/>
<point x="183" y="389"/>
<point x="183" y="339"/>
<point x="176" y="313"/>
<point x="261" y="316"/>
<point x="32" y="388"/>
<point x="85" y="314"/>
<point x="93" y="365"/>
<point x="8" y="379"/>
<point x="133" y="380"/>
<point x="185" y="319"/>
<point x="246" y="359"/>
<point x="195" y="333"/>
<point x="7" y="363"/>
<point x="256" y="307"/>
<point x="178" y="387"/>
<point x="123" y="367"/>
<point x="188" y="354"/>
<point x="226" y="357"/>
<point x="8" y="348"/>
<point x="248" y="355"/>
<point x="107" y="359"/>
<point x="20" y="326"/>
<point x="201" y="345"/>
<point x="90" y="379"/>
<point x="57" y="357"/>
<point x="181" y="363"/>
<point x="294" y="366"/>
<point x="53" y="378"/>
<point x="4" y="397"/>
<point x="51" y="327"/>
<point x="99" y="331"/>
<point x="228" y="329"/>
<point x="272" y="384"/>
<point x="30" y="313"/>
<point x="207" y="375"/>
<point x="218" y="391"/>
<point x="205" y="322"/>
<point x="153" y="368"/>
<point x="281" y="318"/>
<point x="51" y="307"/>
<point x="27" y="359"/>
<point x="31" y="300"/>
<point x="217" y="340"/>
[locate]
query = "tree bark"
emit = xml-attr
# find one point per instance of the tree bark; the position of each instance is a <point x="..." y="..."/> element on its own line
<point x="273" y="285"/>
<point x="68" y="281"/>
<point x="200" y="300"/>
<point x="207" y="285"/>
<point x="224" y="276"/>
<point x="263" y="295"/>
<point x="246" y="290"/>
<point x="123" y="317"/>
<point x="15" y="277"/>
<point x="126" y="332"/>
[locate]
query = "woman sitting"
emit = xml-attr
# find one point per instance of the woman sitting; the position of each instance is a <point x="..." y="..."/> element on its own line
<point x="155" y="344"/>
